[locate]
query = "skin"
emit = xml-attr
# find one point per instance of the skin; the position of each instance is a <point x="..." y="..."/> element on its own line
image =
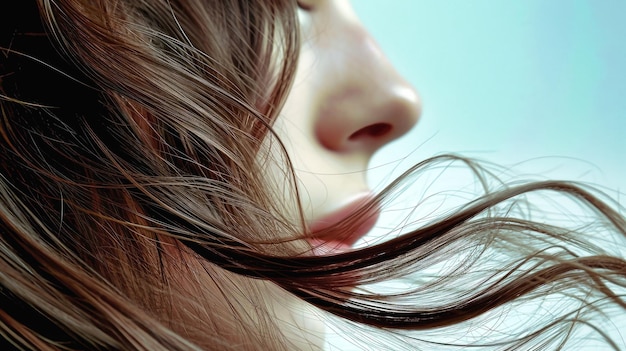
<point x="334" y="119"/>
<point x="346" y="103"/>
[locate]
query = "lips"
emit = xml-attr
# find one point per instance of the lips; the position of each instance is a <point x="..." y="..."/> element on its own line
<point x="348" y="232"/>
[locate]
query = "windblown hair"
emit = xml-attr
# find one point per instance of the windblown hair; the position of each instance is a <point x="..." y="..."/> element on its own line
<point x="134" y="213"/>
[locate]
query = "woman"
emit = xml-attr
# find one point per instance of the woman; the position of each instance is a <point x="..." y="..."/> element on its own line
<point x="185" y="175"/>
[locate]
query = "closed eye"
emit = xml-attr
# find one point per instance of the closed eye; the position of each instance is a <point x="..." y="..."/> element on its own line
<point x="305" y="5"/>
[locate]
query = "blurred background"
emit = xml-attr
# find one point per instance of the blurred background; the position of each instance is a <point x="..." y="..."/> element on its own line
<point x="537" y="85"/>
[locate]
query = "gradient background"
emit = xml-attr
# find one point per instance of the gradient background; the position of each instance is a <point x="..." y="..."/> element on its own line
<point x="537" y="85"/>
<point x="511" y="82"/>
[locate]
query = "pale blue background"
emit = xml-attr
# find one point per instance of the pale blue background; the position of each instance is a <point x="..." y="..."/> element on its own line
<point x="510" y="81"/>
<point x="538" y="85"/>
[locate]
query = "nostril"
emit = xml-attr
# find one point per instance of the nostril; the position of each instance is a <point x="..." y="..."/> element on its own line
<point x="372" y="131"/>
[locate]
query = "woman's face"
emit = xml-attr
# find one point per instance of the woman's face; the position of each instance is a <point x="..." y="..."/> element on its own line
<point x="347" y="101"/>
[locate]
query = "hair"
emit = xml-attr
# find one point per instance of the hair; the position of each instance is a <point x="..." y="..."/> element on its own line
<point x="135" y="214"/>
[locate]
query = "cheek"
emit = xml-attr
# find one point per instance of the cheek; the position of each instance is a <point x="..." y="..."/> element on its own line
<point x="301" y="153"/>
<point x="322" y="176"/>
<point x="292" y="129"/>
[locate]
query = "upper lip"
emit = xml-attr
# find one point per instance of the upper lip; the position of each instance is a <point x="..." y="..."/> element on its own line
<point x="351" y="231"/>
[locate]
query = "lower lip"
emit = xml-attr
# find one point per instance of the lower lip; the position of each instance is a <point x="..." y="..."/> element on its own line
<point x="326" y="247"/>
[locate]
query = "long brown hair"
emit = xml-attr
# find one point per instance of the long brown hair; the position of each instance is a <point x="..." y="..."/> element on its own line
<point x="134" y="213"/>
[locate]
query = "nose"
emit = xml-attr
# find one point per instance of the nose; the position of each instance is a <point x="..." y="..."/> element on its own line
<point x="363" y="101"/>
